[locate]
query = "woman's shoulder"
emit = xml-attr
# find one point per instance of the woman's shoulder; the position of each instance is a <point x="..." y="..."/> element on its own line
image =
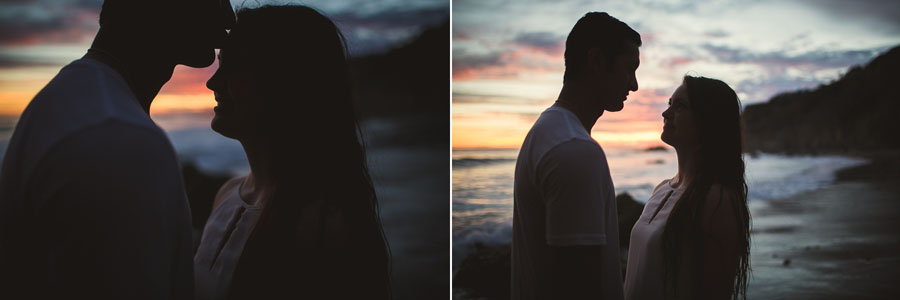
<point x="227" y="189"/>
<point x="664" y="183"/>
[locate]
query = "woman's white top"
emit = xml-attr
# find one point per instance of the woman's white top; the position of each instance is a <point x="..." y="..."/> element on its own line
<point x="645" y="271"/>
<point x="226" y="232"/>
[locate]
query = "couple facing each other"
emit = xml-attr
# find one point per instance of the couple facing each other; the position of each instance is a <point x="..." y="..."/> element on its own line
<point x="93" y="203"/>
<point x="692" y="238"/>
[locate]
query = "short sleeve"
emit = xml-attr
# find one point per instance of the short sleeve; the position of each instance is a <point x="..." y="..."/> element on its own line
<point x="575" y="184"/>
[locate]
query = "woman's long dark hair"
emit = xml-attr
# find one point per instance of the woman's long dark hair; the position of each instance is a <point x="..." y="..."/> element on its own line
<point x="717" y="114"/>
<point x="319" y="234"/>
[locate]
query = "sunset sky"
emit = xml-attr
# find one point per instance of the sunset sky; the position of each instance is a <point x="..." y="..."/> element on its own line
<point x="508" y="56"/>
<point x="39" y="37"/>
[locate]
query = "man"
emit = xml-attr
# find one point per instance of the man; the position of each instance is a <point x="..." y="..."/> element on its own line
<point x="565" y="230"/>
<point x="92" y="204"/>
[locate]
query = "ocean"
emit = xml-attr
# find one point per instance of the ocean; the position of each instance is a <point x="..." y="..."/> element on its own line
<point x="483" y="185"/>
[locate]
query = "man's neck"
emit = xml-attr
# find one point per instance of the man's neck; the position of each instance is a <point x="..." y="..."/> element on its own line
<point x="687" y="165"/>
<point x="572" y="99"/>
<point x="143" y="78"/>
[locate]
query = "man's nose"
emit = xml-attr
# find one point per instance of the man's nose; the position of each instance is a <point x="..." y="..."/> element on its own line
<point x="633" y="85"/>
<point x="213" y="81"/>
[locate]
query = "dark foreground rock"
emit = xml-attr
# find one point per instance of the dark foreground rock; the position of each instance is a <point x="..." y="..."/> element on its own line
<point x="201" y="189"/>
<point x="656" y="149"/>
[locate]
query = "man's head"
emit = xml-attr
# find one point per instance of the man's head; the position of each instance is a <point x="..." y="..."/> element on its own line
<point x="601" y="57"/>
<point x="178" y="31"/>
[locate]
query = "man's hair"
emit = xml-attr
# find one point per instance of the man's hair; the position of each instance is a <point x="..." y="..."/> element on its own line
<point x="121" y="12"/>
<point x="596" y="30"/>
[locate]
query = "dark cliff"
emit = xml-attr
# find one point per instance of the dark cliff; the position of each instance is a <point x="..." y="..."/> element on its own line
<point x="854" y="114"/>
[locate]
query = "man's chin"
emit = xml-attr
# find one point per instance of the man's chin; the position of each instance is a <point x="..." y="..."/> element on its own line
<point x="615" y="108"/>
<point x="198" y="59"/>
<point x="221" y="127"/>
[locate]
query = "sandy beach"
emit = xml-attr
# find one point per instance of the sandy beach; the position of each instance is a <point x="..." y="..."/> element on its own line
<point x="838" y="242"/>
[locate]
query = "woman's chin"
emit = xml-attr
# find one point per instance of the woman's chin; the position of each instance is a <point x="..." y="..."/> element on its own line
<point x="222" y="128"/>
<point x="666" y="138"/>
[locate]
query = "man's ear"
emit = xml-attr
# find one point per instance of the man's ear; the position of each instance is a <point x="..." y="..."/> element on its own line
<point x="597" y="61"/>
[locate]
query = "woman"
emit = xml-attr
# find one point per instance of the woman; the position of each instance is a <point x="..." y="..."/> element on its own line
<point x="304" y="221"/>
<point x="692" y="240"/>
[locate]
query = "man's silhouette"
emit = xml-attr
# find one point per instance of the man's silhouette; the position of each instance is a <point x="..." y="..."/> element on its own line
<point x="565" y="230"/>
<point x="92" y="204"/>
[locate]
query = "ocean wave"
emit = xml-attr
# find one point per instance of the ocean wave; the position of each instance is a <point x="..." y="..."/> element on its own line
<point x="465" y="239"/>
<point x="471" y="162"/>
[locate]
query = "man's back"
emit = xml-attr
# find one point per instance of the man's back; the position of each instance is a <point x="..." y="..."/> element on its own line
<point x="563" y="197"/>
<point x="91" y="197"/>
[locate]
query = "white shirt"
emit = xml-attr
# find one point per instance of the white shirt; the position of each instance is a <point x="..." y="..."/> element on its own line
<point x="564" y="196"/>
<point x="645" y="271"/>
<point x="224" y="237"/>
<point x="92" y="203"/>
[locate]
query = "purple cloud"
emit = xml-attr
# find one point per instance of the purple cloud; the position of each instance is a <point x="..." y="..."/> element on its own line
<point x="547" y="42"/>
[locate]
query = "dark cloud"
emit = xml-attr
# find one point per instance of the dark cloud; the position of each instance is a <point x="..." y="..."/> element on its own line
<point x="461" y="35"/>
<point x="516" y="55"/>
<point x="20" y="28"/>
<point x="819" y="59"/>
<point x="465" y="62"/>
<point x="393" y="18"/>
<point x="367" y="31"/>
<point x="547" y="42"/>
<point x="884" y="15"/>
<point x="673" y="6"/>
<point x="775" y="63"/>
<point x="13" y="61"/>
<point x="36" y="21"/>
<point x="391" y="26"/>
<point x="761" y="89"/>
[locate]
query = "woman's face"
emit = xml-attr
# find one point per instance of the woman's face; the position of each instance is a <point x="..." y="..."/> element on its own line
<point x="238" y="106"/>
<point x="679" y="127"/>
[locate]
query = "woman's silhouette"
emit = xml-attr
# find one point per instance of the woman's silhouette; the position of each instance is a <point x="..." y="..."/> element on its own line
<point x="692" y="240"/>
<point x="304" y="222"/>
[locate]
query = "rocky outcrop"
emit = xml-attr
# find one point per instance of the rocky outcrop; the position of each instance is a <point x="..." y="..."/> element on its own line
<point x="201" y="189"/>
<point x="856" y="113"/>
<point x="629" y="212"/>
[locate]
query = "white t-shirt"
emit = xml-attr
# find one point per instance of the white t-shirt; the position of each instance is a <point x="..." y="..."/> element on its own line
<point x="224" y="237"/>
<point x="645" y="271"/>
<point x="92" y="202"/>
<point x="564" y="196"/>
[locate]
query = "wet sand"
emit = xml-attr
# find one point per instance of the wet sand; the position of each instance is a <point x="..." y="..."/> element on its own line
<point x="838" y="242"/>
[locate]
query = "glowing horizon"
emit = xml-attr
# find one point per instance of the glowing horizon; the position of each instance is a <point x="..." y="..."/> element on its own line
<point x="40" y="37"/>
<point x="185" y="92"/>
<point x="508" y="60"/>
